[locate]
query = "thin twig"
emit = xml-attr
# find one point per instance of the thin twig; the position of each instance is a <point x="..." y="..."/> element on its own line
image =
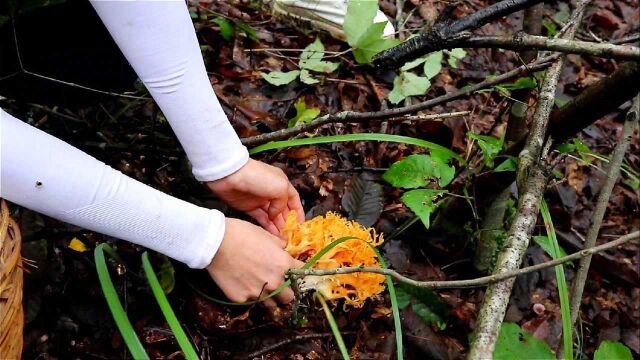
<point x="34" y="74"/>
<point x="291" y="340"/>
<point x="356" y="117"/>
<point x="471" y="283"/>
<point x="613" y="173"/>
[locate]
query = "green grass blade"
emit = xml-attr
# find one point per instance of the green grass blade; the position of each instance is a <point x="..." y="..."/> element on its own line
<point x="334" y="327"/>
<point x="356" y="137"/>
<point x="395" y="309"/>
<point x="110" y="294"/>
<point x="167" y="311"/>
<point x="285" y="285"/>
<point x="563" y="292"/>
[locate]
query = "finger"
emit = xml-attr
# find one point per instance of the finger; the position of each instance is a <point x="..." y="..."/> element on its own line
<point x="280" y="241"/>
<point x="295" y="204"/>
<point x="270" y="303"/>
<point x="277" y="207"/>
<point x="286" y="296"/>
<point x="279" y="222"/>
<point x="263" y="219"/>
<point x="296" y="264"/>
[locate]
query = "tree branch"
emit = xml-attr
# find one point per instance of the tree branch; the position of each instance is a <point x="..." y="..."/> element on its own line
<point x="630" y="124"/>
<point x="521" y="41"/>
<point x="461" y="284"/>
<point x="356" y="117"/>
<point x="447" y="30"/>
<point x="531" y="179"/>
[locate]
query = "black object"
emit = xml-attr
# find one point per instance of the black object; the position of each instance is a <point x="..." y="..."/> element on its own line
<point x="65" y="41"/>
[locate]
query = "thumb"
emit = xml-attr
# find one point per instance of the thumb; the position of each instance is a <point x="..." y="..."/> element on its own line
<point x="296" y="264"/>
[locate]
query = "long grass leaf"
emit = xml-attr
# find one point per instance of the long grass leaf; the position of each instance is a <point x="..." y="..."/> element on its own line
<point x="110" y="294"/>
<point x="356" y="137"/>
<point x="563" y="292"/>
<point x="334" y="326"/>
<point x="395" y="308"/>
<point x="187" y="349"/>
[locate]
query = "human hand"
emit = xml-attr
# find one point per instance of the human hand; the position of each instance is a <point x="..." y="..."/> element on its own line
<point x="263" y="192"/>
<point x="251" y="262"/>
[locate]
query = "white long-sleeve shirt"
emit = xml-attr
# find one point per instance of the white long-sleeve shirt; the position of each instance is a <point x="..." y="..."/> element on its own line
<point x="45" y="174"/>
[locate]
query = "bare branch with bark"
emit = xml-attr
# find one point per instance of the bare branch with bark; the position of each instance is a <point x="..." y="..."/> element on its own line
<point x="458" y="284"/>
<point x="447" y="30"/>
<point x="531" y="179"/>
<point x="356" y="117"/>
<point x="630" y="124"/>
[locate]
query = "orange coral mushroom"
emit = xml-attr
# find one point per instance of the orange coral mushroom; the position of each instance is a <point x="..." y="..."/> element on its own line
<point x="310" y="237"/>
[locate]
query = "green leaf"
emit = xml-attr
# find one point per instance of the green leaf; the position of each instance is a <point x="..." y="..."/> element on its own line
<point x="311" y="58"/>
<point x="521" y="83"/>
<point x="371" y="42"/>
<point x="169" y="315"/>
<point x="166" y="274"/>
<point x="333" y="325"/>
<point x="515" y="344"/>
<point x="454" y="56"/>
<point x="359" y="18"/>
<point x="442" y="151"/>
<point x="226" y="27"/>
<point x="612" y="350"/>
<point x="408" y="84"/>
<point x="424" y="302"/>
<point x="363" y="201"/>
<point x="412" y="64"/>
<point x="279" y="78"/>
<point x="418" y="170"/>
<point x="307" y="78"/>
<point x="421" y="203"/>
<point x="563" y="290"/>
<point x="551" y="28"/>
<point x="113" y="301"/>
<point x="547" y="246"/>
<point x="489" y="145"/>
<point x="565" y="148"/>
<point x="433" y="64"/>
<point x="303" y="114"/>
<point x="511" y="164"/>
<point x="246" y="29"/>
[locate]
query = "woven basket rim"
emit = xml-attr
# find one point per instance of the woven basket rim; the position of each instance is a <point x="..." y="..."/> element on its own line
<point x="11" y="281"/>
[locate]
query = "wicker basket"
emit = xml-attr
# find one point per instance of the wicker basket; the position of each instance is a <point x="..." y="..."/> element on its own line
<point x="11" y="315"/>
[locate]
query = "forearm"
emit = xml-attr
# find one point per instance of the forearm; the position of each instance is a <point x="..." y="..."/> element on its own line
<point x="158" y="40"/>
<point x="47" y="175"/>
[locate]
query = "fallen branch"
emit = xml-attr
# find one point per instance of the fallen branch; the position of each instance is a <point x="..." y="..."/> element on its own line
<point x="447" y="30"/>
<point x="613" y="173"/>
<point x="521" y="42"/>
<point x="356" y="117"/>
<point x="460" y="284"/>
<point x="531" y="178"/>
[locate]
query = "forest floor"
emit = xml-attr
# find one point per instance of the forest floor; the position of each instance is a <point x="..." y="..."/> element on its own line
<point x="66" y="313"/>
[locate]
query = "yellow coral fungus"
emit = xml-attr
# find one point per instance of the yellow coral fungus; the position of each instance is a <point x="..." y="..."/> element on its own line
<point x="310" y="237"/>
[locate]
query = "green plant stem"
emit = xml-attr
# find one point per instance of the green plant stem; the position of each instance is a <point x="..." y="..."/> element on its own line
<point x="563" y="291"/>
<point x="117" y="311"/>
<point x="334" y="327"/>
<point x="186" y="346"/>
